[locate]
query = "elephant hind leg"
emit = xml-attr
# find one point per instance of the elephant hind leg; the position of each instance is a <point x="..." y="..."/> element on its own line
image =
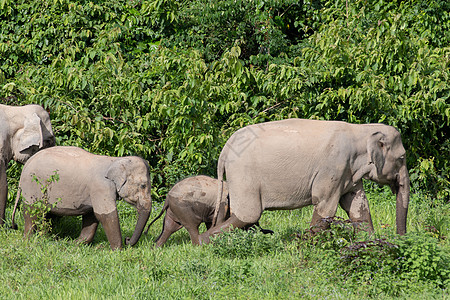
<point x="325" y="199"/>
<point x="29" y="221"/>
<point x="322" y="210"/>
<point x="89" y="227"/>
<point x="193" y="233"/>
<point x="170" y="226"/>
<point x="231" y="222"/>
<point x="317" y="224"/>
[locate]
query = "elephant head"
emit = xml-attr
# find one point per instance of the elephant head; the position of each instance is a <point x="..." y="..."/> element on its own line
<point x="132" y="180"/>
<point x="31" y="131"/>
<point x="24" y="130"/>
<point x="386" y="156"/>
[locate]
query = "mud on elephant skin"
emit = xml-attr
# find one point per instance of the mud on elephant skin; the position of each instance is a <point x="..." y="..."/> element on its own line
<point x="293" y="163"/>
<point x="189" y="203"/>
<point x="89" y="185"/>
<point x="24" y="130"/>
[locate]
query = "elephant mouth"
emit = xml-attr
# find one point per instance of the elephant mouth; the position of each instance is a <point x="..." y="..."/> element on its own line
<point x="25" y="154"/>
<point x="389" y="179"/>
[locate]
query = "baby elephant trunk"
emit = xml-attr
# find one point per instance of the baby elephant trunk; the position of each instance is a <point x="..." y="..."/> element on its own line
<point x="143" y="215"/>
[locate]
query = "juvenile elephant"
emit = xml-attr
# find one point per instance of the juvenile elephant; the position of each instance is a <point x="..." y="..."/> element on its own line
<point x="189" y="203"/>
<point x="24" y="130"/>
<point x="293" y="163"/>
<point x="89" y="185"/>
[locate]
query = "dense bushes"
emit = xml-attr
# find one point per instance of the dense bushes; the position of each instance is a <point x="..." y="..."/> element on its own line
<point x="386" y="264"/>
<point x="171" y="80"/>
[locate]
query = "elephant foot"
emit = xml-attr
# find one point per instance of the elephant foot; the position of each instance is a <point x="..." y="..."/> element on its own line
<point x="318" y="223"/>
<point x="203" y="238"/>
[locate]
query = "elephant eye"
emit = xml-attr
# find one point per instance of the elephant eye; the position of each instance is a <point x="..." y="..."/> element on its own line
<point x="143" y="186"/>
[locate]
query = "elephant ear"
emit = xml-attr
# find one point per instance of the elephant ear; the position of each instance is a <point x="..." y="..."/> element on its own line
<point x="376" y="150"/>
<point x="31" y="134"/>
<point x="117" y="173"/>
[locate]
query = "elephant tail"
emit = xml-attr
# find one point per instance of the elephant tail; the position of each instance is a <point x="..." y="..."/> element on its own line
<point x="220" y="171"/>
<point x="13" y="224"/>
<point x="166" y="206"/>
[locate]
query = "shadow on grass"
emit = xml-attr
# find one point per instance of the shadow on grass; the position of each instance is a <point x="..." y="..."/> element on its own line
<point x="66" y="227"/>
<point x="290" y="234"/>
<point x="69" y="227"/>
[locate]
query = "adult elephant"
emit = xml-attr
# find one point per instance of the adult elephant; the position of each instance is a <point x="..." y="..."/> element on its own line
<point x="88" y="185"/>
<point x="24" y="130"/>
<point x="293" y="163"/>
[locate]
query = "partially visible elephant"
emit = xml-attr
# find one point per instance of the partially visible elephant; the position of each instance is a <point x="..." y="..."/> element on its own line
<point x="293" y="163"/>
<point x="88" y="185"/>
<point x="24" y="130"/>
<point x="189" y="203"/>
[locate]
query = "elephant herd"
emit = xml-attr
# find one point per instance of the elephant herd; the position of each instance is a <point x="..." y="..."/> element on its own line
<point x="277" y="165"/>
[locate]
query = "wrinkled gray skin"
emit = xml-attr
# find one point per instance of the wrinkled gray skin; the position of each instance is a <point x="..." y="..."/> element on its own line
<point x="189" y="203"/>
<point x="24" y="130"/>
<point x="89" y="185"/>
<point x="293" y="163"/>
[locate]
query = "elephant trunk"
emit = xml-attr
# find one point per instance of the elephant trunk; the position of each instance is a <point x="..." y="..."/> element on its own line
<point x="402" y="191"/>
<point x="143" y="215"/>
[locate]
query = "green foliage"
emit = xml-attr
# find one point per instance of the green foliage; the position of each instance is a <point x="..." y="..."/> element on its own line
<point x="239" y="243"/>
<point x="171" y="80"/>
<point x="388" y="263"/>
<point x="426" y="175"/>
<point x="437" y="222"/>
<point x="263" y="27"/>
<point x="421" y="258"/>
<point x="339" y="234"/>
<point x="44" y="267"/>
<point x="39" y="209"/>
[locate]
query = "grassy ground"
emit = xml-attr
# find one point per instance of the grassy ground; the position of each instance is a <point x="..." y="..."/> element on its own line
<point x="247" y="267"/>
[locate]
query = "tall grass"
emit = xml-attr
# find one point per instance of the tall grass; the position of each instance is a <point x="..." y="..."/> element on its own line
<point x="277" y="266"/>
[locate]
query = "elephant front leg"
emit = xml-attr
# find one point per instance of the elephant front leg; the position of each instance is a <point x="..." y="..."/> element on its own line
<point x="110" y="223"/>
<point x="325" y="206"/>
<point x="89" y="227"/>
<point x="356" y="206"/>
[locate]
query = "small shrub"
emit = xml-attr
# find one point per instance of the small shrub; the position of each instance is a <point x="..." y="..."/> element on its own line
<point x="374" y="262"/>
<point x="241" y="244"/>
<point x="388" y="264"/>
<point x="422" y="258"/>
<point x="41" y="207"/>
<point x="437" y="221"/>
<point x="339" y="234"/>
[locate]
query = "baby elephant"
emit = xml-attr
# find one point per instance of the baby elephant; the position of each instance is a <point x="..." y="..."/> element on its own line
<point x="88" y="185"/>
<point x="189" y="203"/>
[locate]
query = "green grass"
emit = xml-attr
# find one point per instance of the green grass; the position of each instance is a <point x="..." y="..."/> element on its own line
<point x="277" y="266"/>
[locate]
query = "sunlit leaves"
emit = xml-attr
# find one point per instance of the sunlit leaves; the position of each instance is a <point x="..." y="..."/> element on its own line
<point x="172" y="80"/>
